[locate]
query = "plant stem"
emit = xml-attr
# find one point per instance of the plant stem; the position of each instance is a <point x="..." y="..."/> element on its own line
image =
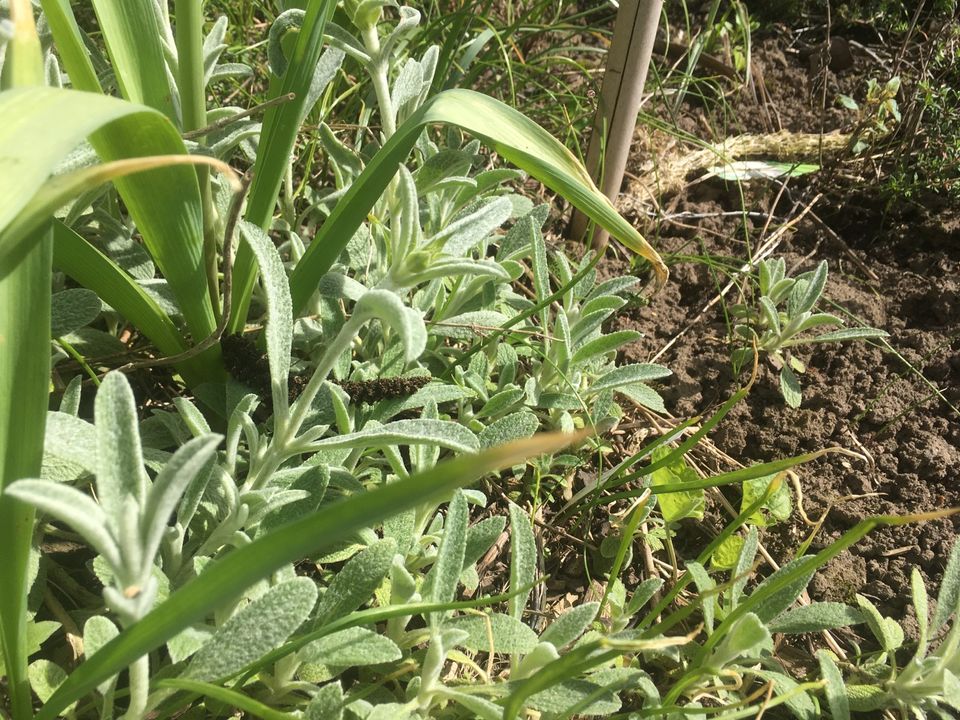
<point x="379" y="70"/>
<point x="139" y="673"/>
<point x="193" y="109"/>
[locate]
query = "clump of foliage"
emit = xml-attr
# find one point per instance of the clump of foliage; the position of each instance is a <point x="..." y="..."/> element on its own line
<point x="782" y="309"/>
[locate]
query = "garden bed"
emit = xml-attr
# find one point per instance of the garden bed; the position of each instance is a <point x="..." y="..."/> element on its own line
<point x="893" y="265"/>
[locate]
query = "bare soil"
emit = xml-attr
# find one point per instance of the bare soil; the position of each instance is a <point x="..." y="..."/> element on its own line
<point x="893" y="264"/>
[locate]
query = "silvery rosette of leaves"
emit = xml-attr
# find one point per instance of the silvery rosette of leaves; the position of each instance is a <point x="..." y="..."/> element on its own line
<point x="782" y="311"/>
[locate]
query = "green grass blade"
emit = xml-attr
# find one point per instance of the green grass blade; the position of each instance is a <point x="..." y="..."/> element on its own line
<point x="24" y="383"/>
<point x="226" y="578"/>
<point x="69" y="41"/>
<point x="516" y="138"/>
<point x="280" y="125"/>
<point x="45" y="124"/>
<point x="76" y="257"/>
<point x="133" y="42"/>
<point x="230" y="698"/>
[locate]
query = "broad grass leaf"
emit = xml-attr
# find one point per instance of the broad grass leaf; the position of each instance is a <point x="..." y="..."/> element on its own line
<point x="279" y="330"/>
<point x="506" y="131"/>
<point x="84" y="263"/>
<point x="443" y="433"/>
<point x="258" y="628"/>
<point x="134" y="44"/>
<point x="352" y="647"/>
<point x="523" y="559"/>
<point x="571" y="625"/>
<point x="509" y="635"/>
<point x="815" y="617"/>
<point x="281" y="124"/>
<point x="355" y="583"/>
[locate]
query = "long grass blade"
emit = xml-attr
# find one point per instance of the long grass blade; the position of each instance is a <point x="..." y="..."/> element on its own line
<point x="280" y="125"/>
<point x="134" y="45"/>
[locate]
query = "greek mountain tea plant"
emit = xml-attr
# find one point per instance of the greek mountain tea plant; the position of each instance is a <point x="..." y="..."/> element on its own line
<point x="783" y="309"/>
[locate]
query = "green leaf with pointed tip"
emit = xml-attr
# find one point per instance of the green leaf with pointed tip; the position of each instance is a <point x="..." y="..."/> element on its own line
<point x="355" y="583"/>
<point x="790" y="387"/>
<point x="834" y="688"/>
<point x="441" y="582"/>
<point x="676" y="506"/>
<point x="948" y="599"/>
<point x="444" y="433"/>
<point x="815" y="617"/>
<point x="133" y="42"/>
<point x="571" y="625"/>
<point x="279" y="329"/>
<point x="523" y="558"/>
<point x="72" y="309"/>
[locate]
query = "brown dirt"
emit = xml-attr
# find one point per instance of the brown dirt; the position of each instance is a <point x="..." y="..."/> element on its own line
<point x="893" y="264"/>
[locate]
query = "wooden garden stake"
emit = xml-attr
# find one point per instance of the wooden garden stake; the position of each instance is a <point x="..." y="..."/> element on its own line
<point x="634" y="34"/>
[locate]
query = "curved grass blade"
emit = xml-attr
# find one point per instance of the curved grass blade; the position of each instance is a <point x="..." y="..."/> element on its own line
<point x="60" y="189"/>
<point x="505" y="130"/>
<point x="76" y="257"/>
<point x="227" y="577"/>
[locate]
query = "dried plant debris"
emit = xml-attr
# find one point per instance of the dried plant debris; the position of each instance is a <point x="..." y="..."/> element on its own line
<point x="371" y="391"/>
<point x="248" y="365"/>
